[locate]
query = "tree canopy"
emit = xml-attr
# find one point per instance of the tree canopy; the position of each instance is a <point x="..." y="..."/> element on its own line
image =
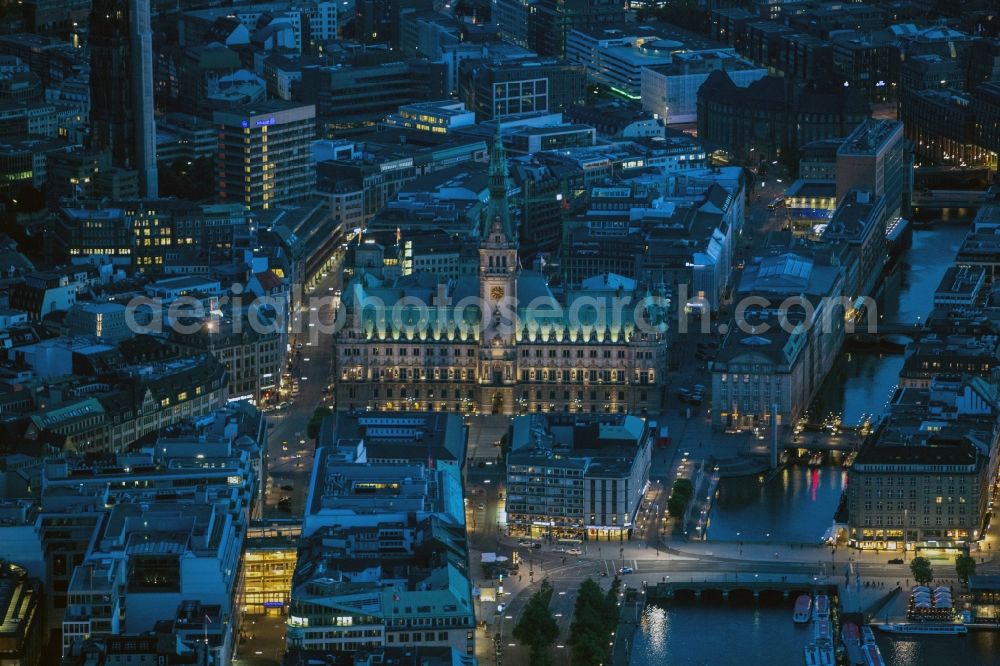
<point x="537" y="628"/>
<point x="921" y="569"/>
<point x="595" y="618"/>
<point x="965" y="566"/>
<point x="312" y="428"/>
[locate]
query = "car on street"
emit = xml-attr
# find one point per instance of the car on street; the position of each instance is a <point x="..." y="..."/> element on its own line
<point x="558" y="549"/>
<point x="574" y="551"/>
<point x="529" y="544"/>
<point x="482" y="507"/>
<point x="501" y="608"/>
<point x="896" y="560"/>
<point x="625" y="570"/>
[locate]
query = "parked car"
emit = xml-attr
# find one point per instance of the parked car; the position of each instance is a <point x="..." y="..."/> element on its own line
<point x="625" y="570"/>
<point x="896" y="560"/>
<point x="574" y="551"/>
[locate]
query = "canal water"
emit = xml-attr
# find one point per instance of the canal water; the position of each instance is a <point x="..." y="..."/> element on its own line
<point x="863" y="383"/>
<point x="736" y="633"/>
<point x="798" y="505"/>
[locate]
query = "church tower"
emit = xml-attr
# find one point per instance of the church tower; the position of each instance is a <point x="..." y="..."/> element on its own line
<point x="498" y="272"/>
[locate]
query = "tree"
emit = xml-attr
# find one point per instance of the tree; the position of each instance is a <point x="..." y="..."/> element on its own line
<point x="684" y="488"/>
<point x="312" y="428"/>
<point x="965" y="566"/>
<point x="921" y="569"/>
<point x="595" y="617"/>
<point x="676" y="505"/>
<point x="537" y="628"/>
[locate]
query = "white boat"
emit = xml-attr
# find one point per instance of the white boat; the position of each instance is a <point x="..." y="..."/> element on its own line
<point x="812" y="655"/>
<point x="933" y="628"/>
<point x="822" y="608"/>
<point x="826" y="656"/>
<point x="821" y="631"/>
<point x="803" y="605"/>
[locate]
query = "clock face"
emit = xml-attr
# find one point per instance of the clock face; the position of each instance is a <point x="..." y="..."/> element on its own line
<point x="496" y="293"/>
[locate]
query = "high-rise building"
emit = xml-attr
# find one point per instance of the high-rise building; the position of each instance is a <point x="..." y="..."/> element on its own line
<point x="873" y="159"/>
<point x="264" y="156"/>
<point x="121" y="87"/>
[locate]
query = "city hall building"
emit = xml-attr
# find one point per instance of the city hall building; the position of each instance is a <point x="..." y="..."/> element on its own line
<point x="500" y="342"/>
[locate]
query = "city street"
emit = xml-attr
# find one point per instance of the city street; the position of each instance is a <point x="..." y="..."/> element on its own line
<point x="289" y="451"/>
<point x="312" y="364"/>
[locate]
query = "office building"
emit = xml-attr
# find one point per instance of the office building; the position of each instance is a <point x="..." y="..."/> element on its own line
<point x="943" y="127"/>
<point x="768" y="362"/>
<point x="961" y="286"/>
<point x="985" y="107"/>
<point x="408" y="437"/>
<point x="264" y="157"/>
<point x="121" y="87"/>
<point x="354" y="99"/>
<point x="616" y="59"/>
<point x="577" y="476"/>
<point x="924" y="479"/>
<point x="495" y="90"/>
<point x="859" y="223"/>
<point x="268" y="566"/>
<point x="363" y="580"/>
<point x="773" y="115"/>
<point x="873" y="158"/>
<point x="438" y="117"/>
<point x="671" y="90"/>
<point x="550" y="22"/>
<point x="252" y="352"/>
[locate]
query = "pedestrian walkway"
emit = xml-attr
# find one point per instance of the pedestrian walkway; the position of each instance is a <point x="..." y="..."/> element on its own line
<point x="633" y="604"/>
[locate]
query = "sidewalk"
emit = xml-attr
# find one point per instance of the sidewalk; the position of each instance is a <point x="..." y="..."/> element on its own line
<point x="633" y="604"/>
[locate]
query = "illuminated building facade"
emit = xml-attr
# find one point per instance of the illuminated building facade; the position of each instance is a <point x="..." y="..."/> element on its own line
<point x="264" y="157"/>
<point x="499" y="342"/>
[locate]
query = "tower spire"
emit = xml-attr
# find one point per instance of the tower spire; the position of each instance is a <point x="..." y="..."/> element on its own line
<point x="499" y="175"/>
<point x="498" y="208"/>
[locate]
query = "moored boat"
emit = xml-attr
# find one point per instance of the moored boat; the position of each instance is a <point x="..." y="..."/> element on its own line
<point x="812" y="655"/>
<point x="822" y="608"/>
<point x="827" y="656"/>
<point x="867" y="635"/>
<point x="803" y="606"/>
<point x="821" y="631"/>
<point x="932" y="628"/>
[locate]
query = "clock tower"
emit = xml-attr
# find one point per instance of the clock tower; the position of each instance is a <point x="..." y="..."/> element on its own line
<point x="498" y="272"/>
